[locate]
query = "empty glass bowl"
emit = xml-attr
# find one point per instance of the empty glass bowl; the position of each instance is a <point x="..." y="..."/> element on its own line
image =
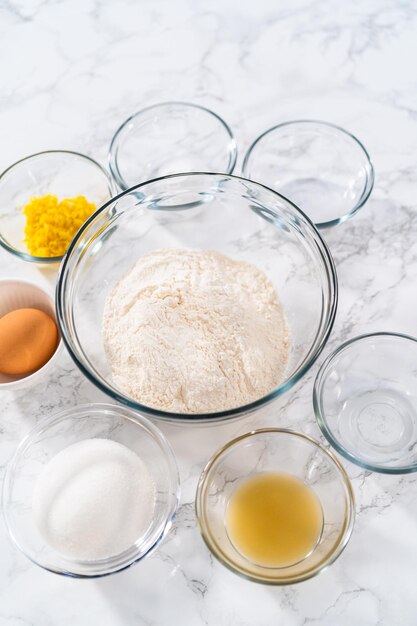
<point x="55" y="433"/>
<point x="284" y="451"/>
<point x="365" y="400"/>
<point x="170" y="138"/>
<point x="324" y="169"/>
<point x="59" y="172"/>
<point x="227" y="214"/>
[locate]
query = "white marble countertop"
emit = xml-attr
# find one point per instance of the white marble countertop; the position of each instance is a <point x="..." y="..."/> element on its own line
<point x="70" y="73"/>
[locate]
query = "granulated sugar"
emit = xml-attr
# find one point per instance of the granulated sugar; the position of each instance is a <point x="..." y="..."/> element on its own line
<point x="94" y="499"/>
<point x="193" y="331"/>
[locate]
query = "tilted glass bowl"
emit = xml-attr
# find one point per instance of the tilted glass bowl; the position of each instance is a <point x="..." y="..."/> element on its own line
<point x="230" y="215"/>
<point x="53" y="434"/>
<point x="365" y="402"/>
<point x="62" y="173"/>
<point x="168" y="138"/>
<point x="321" y="167"/>
<point x="282" y="451"/>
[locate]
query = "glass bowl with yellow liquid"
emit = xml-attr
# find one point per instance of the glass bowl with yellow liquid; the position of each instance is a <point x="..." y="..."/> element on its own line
<point x="275" y="506"/>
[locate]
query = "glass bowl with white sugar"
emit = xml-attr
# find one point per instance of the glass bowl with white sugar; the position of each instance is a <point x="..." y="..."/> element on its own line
<point x="91" y="491"/>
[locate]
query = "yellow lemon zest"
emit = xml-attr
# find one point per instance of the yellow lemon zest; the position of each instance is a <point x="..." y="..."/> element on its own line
<point x="52" y="224"/>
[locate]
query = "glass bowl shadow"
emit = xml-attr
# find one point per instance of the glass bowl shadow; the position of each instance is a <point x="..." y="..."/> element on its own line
<point x="321" y="167"/>
<point x="55" y="433"/>
<point x="63" y="173"/>
<point x="284" y="451"/>
<point x="230" y="215"/>
<point x="169" y="138"/>
<point x="365" y="402"/>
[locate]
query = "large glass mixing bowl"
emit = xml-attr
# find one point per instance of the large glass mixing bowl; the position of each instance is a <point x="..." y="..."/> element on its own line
<point x="234" y="216"/>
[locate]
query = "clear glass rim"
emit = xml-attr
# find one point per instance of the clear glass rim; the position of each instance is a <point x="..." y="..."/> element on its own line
<point x="211" y="543"/>
<point x="320" y="413"/>
<point x="115" y="565"/>
<point x="218" y="416"/>
<point x="368" y="167"/>
<point x="48" y="259"/>
<point x="115" y="142"/>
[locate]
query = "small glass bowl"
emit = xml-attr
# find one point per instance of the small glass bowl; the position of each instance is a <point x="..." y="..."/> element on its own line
<point x="170" y="138"/>
<point x="62" y="173"/>
<point x="323" y="169"/>
<point x="365" y="400"/>
<point x="52" y="435"/>
<point x="277" y="450"/>
<point x="21" y="294"/>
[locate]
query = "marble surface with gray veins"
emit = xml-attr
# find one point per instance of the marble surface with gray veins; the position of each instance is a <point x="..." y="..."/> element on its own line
<point x="71" y="72"/>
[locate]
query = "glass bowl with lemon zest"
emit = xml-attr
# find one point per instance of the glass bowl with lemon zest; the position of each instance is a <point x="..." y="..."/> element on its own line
<point x="45" y="198"/>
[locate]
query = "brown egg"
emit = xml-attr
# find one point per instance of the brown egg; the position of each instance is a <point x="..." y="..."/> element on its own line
<point x="28" y="339"/>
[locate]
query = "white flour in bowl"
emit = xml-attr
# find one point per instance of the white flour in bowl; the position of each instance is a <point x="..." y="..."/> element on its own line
<point x="193" y="331"/>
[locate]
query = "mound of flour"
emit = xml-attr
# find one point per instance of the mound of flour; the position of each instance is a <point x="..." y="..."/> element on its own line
<point x="192" y="331"/>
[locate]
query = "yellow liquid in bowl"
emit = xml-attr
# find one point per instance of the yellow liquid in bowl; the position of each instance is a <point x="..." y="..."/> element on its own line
<point x="274" y="520"/>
